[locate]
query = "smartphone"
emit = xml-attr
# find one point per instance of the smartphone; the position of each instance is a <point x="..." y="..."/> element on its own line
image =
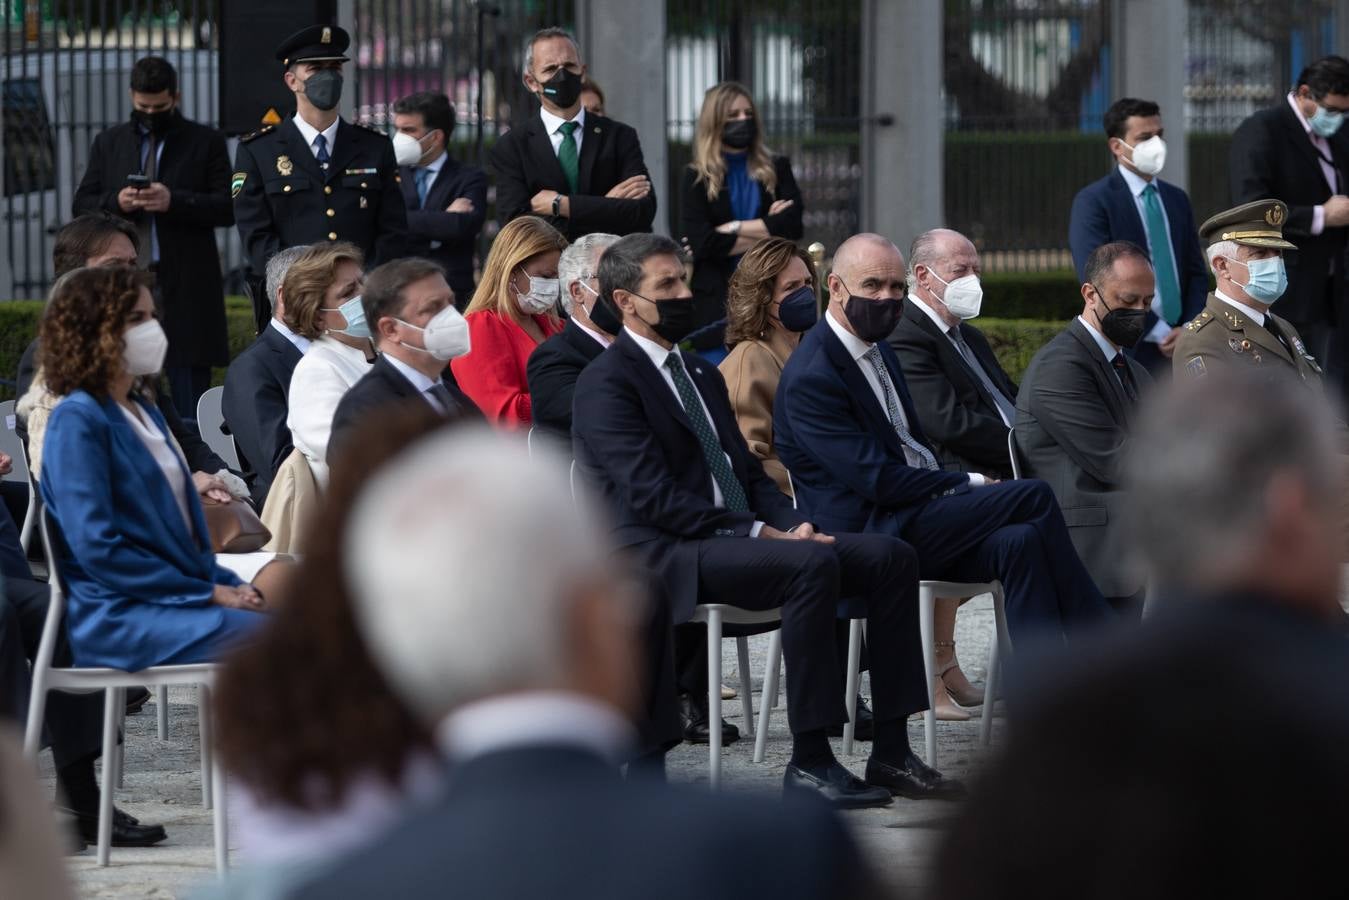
<point x="138" y="181"/>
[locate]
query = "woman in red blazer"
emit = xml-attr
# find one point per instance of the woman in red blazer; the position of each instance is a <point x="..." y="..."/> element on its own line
<point x="513" y="311"/>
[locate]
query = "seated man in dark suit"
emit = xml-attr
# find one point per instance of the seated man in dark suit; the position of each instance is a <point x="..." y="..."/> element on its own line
<point x="654" y="430"/>
<point x="257" y="385"/>
<point x="846" y="428"/>
<point x="555" y="364"/>
<point x="579" y="171"/>
<point x="1233" y="493"/>
<point x="446" y="199"/>
<point x="410" y="309"/>
<point x="525" y="674"/>
<point x="1073" y="413"/>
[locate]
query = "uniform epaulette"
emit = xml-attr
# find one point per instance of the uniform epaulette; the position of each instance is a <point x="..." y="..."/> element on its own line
<point x="1199" y="321"/>
<point x="261" y="131"/>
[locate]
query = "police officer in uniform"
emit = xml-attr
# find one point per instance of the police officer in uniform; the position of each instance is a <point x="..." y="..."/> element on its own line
<point x="316" y="177"/>
<point x="1236" y="328"/>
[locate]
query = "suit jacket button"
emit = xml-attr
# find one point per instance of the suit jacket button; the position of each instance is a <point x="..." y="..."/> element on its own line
<point x="331" y="213"/>
<point x="364" y="185"/>
<point x="327" y="189"/>
<point x="286" y="189"/>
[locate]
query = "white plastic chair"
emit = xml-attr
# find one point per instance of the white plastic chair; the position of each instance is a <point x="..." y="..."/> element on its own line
<point x="211" y="421"/>
<point x="114" y="682"/>
<point x="10" y="443"/>
<point x="1012" y="454"/>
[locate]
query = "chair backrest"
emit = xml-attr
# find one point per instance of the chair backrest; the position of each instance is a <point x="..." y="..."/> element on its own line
<point x="10" y="443"/>
<point x="56" y="583"/>
<point x="529" y="442"/>
<point x="1012" y="455"/>
<point x="211" y="421"/>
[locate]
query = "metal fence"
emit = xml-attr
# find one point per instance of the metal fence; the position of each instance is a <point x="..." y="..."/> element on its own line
<point x="801" y="63"/>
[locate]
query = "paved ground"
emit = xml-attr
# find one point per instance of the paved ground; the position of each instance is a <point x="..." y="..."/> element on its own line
<point x="163" y="785"/>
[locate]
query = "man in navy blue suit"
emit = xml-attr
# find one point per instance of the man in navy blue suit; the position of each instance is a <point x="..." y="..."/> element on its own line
<point x="844" y="425"/>
<point x="653" y="430"/>
<point x="1133" y="204"/>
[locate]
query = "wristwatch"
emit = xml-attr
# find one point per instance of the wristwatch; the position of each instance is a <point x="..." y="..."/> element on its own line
<point x="735" y="227"/>
<point x="557" y="205"/>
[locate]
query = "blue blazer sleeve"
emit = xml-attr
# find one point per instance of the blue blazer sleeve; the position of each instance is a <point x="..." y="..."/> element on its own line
<point x="105" y="535"/>
<point x="1088" y="225"/>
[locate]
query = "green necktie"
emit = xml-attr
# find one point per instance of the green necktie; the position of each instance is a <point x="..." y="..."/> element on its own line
<point x="566" y="154"/>
<point x="1163" y="262"/>
<point x="732" y="492"/>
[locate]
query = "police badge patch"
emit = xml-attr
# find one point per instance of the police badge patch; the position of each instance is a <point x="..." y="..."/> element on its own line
<point x="237" y="183"/>
<point x="1195" y="367"/>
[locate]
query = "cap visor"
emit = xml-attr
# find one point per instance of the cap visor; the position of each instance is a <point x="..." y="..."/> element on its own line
<point x="1274" y="243"/>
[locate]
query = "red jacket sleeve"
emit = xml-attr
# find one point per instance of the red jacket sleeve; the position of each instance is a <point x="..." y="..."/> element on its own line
<point x="492" y="374"/>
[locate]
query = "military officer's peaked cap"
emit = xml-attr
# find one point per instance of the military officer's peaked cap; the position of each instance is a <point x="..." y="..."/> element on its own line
<point x="1256" y="224"/>
<point x="317" y="43"/>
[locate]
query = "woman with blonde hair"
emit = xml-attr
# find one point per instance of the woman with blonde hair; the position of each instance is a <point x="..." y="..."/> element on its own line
<point x="513" y="311"/>
<point x="735" y="193"/>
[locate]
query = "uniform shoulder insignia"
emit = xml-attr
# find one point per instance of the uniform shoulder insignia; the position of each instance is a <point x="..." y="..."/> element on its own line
<point x="255" y="134"/>
<point x="1199" y="321"/>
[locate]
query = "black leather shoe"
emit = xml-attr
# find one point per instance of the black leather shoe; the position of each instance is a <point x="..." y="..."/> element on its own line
<point x="695" y="716"/>
<point x="866" y="723"/>
<point x="127" y="831"/>
<point x="915" y="780"/>
<point x="837" y="785"/>
<point x="135" y="699"/>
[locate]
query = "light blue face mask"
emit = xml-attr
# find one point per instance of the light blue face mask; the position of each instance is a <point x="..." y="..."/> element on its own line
<point x="1324" y="122"/>
<point x="1268" y="279"/>
<point x="354" y="313"/>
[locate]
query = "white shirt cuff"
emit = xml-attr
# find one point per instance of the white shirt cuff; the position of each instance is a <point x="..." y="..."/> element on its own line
<point x="1159" y="331"/>
<point x="1318" y="219"/>
<point x="755" y="529"/>
<point x="977" y="480"/>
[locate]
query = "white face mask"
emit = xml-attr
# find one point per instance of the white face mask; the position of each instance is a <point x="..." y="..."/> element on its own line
<point x="543" y="295"/>
<point x="445" y="336"/>
<point x="407" y="150"/>
<point x="1150" y="155"/>
<point x="964" y="296"/>
<point x="146" y="345"/>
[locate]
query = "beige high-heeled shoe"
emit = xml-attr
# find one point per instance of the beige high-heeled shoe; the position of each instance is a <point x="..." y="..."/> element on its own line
<point x="945" y="708"/>
<point x="957" y="685"/>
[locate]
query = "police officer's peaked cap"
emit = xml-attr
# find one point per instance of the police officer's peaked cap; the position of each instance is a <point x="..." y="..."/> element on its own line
<point x="317" y="43"/>
<point x="1256" y="224"/>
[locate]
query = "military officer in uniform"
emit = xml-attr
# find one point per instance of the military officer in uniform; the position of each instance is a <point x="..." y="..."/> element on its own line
<point x="316" y="177"/>
<point x="1236" y="328"/>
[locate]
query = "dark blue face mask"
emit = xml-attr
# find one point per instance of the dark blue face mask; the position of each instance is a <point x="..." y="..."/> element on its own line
<point x="799" y="309"/>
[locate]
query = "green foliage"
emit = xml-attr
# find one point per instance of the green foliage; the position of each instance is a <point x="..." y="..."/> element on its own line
<point x="1016" y="341"/>
<point x="18" y="327"/>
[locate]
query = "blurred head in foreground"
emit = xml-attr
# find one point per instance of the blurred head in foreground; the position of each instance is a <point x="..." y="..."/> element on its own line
<point x="450" y="613"/>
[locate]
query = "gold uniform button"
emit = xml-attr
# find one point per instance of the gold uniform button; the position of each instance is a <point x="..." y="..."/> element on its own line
<point x="363" y="184"/>
<point x="327" y="189"/>
<point x="332" y="212"/>
<point x="286" y="189"/>
<point x="332" y="235"/>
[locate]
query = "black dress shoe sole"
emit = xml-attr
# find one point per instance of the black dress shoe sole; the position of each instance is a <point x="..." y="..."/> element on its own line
<point x="833" y="797"/>
<point x="909" y="794"/>
<point x="726" y="740"/>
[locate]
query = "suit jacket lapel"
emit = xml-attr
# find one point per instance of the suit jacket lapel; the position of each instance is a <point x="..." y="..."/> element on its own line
<point x="596" y="128"/>
<point x="408" y="185"/>
<point x="1298" y="135"/>
<point x="655" y="382"/>
<point x="300" y="153"/>
<point x="437" y="193"/>
<point x="1105" y="372"/>
<point x="859" y="388"/>
<point x="347" y="146"/>
<point x="1133" y="220"/>
<point x="547" y="169"/>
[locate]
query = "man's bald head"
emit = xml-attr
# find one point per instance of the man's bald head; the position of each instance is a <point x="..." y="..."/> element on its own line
<point x="867" y="266"/>
<point x="861" y="249"/>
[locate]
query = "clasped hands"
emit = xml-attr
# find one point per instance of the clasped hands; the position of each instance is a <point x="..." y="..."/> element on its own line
<point x="153" y="198"/>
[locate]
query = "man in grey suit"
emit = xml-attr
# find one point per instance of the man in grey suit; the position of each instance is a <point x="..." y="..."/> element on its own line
<point x="1074" y="407"/>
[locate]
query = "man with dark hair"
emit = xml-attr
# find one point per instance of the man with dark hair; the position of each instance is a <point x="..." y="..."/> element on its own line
<point x="171" y="177"/>
<point x="1073" y="413"/>
<point x="446" y="199"/>
<point x="654" y="431"/>
<point x="316" y="177"/>
<point x="1133" y="204"/>
<point x="417" y="330"/>
<point x="1296" y="152"/>
<point x="579" y="171"/>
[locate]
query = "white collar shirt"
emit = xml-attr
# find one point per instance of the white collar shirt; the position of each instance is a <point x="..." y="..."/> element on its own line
<point x="554" y="124"/>
<point x="300" y="342"/>
<point x="1137" y="184"/>
<point x="1326" y="161"/>
<point x="954" y="330"/>
<point x="309" y="132"/>
<point x="1108" y="349"/>
<point x="602" y="339"/>
<point x="420" y="380"/>
<point x="535" y="718"/>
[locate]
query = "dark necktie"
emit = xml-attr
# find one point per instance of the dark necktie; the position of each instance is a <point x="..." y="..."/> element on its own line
<point x="145" y="225"/>
<point x="893" y="412"/>
<point x="1272" y="327"/>
<point x="567" y="155"/>
<point x="1006" y="408"/>
<point x="732" y="492"/>
<point x="1126" y="378"/>
<point x="321" y="152"/>
<point x="423" y="185"/>
<point x="448" y="405"/>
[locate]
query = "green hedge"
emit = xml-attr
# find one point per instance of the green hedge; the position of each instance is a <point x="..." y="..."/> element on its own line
<point x="1014" y="340"/>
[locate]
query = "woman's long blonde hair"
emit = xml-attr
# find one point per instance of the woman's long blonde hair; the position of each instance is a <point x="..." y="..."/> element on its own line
<point x="516" y="244"/>
<point x="708" y="163"/>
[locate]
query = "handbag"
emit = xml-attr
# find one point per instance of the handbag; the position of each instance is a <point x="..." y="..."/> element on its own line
<point x="234" y="527"/>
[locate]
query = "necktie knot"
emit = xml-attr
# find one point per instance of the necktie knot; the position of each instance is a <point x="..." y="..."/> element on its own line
<point x="568" y="127"/>
<point x="321" y="150"/>
<point x="567" y="155"/>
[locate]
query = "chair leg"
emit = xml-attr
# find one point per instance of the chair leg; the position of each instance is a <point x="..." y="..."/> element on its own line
<point x="850" y="689"/>
<point x="37" y="713"/>
<point x="770" y="689"/>
<point x="29" y="519"/>
<point x="204" y="735"/>
<point x="111" y="716"/>
<point x="216" y="774"/>
<point x="162" y="710"/>
<point x="119" y="748"/>
<point x="927" y="608"/>
<point x="746" y="683"/>
<point x="714" y="697"/>
<point x="994" y="668"/>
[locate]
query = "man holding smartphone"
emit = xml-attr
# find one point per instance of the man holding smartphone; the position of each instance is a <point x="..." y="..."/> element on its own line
<point x="170" y="177"/>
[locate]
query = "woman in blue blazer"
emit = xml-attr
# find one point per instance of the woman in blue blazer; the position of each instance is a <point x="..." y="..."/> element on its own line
<point x="144" y="587"/>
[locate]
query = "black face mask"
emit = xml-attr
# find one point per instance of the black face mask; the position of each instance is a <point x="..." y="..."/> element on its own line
<point x="674" y="318"/>
<point x="738" y="134"/>
<point x="563" y="89"/>
<point x="604" y="316"/>
<point x="155" y="122"/>
<point x="324" y="88"/>
<point x="1123" y="327"/>
<point x="872" y="320"/>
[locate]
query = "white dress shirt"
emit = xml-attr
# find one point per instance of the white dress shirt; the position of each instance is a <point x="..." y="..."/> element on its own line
<point x="1137" y="184"/>
<point x="554" y="125"/>
<point x="1254" y="314"/>
<point x="320" y="381"/>
<point x="1327" y="167"/>
<point x="300" y="342"/>
<point x="420" y="380"/>
<point x="534" y="718"/>
<point x="309" y="132"/>
<point x="658" y="354"/>
<point x="857" y="349"/>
